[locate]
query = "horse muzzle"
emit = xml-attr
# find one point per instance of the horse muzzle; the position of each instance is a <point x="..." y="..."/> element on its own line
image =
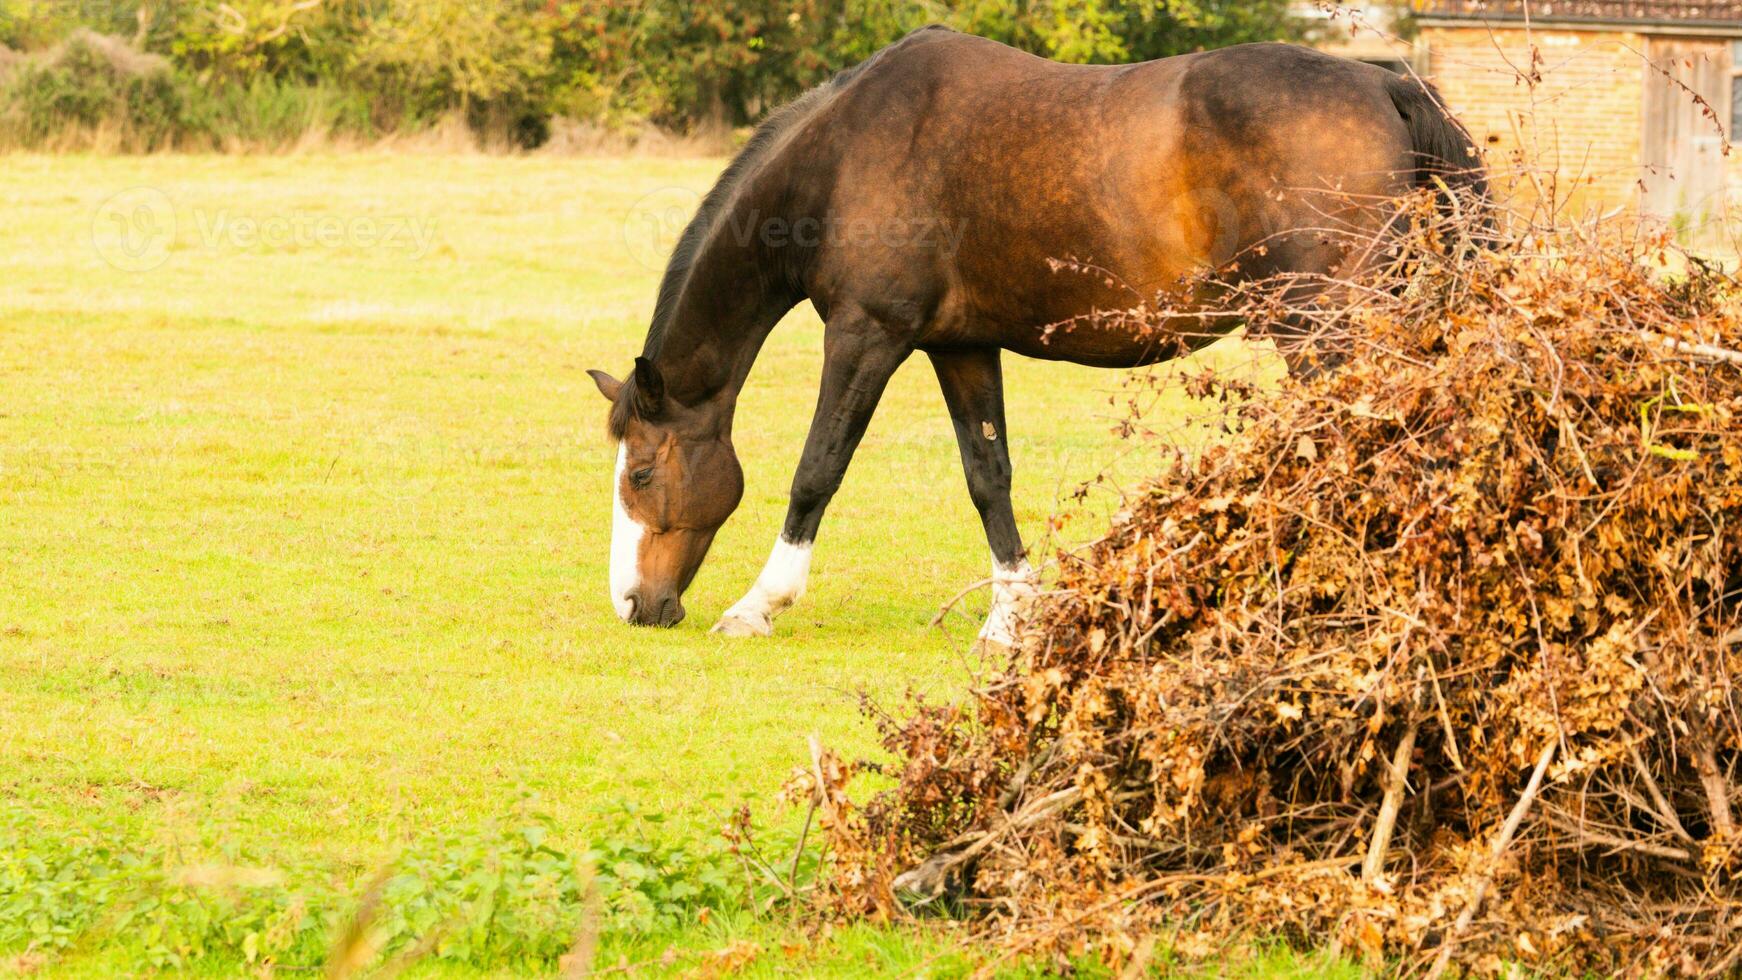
<point x="654" y="610"/>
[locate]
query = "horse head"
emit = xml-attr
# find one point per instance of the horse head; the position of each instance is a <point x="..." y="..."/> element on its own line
<point x="677" y="481"/>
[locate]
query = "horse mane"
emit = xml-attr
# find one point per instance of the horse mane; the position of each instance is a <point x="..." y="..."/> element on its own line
<point x="756" y="150"/>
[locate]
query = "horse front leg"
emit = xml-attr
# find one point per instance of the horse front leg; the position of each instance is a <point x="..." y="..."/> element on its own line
<point x="859" y="357"/>
<point x="973" y="386"/>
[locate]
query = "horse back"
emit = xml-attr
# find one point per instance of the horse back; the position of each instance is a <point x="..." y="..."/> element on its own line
<point x="984" y="194"/>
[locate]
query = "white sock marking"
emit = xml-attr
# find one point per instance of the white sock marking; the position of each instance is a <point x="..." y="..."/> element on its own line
<point x="626" y="534"/>
<point x="1012" y="586"/>
<point x="780" y="585"/>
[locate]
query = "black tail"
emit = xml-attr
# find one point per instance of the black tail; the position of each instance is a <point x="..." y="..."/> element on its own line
<point x="1442" y="146"/>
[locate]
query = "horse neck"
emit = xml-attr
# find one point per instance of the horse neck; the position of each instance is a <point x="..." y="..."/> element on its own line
<point x="736" y="291"/>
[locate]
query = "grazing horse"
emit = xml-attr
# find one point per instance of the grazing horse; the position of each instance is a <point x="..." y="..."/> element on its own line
<point x="920" y="200"/>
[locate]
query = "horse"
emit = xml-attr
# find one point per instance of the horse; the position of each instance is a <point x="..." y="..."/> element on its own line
<point x="922" y="201"/>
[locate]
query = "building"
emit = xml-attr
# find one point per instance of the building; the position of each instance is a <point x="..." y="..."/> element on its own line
<point x="1625" y="102"/>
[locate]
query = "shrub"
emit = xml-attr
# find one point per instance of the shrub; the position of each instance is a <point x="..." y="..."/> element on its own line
<point x="267" y="112"/>
<point x="91" y="81"/>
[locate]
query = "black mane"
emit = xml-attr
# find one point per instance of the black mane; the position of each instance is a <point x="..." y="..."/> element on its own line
<point x="765" y="137"/>
<point x="695" y="234"/>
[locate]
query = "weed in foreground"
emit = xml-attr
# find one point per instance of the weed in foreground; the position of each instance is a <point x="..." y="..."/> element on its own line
<point x="514" y="895"/>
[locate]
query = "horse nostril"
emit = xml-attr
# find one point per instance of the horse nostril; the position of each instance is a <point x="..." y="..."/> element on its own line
<point x="671" y="612"/>
<point x="643" y="611"/>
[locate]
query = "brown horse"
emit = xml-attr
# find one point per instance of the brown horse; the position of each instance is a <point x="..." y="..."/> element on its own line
<point x="917" y="201"/>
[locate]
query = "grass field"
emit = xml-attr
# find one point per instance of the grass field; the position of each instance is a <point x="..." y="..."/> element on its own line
<point x="303" y="531"/>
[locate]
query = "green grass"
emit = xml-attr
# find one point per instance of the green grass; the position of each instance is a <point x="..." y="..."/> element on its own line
<point x="309" y="541"/>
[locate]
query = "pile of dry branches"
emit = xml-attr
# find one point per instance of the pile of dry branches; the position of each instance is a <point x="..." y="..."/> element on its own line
<point x="1432" y="659"/>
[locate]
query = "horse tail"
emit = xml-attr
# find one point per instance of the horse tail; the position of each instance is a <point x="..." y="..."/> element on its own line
<point x="1445" y="156"/>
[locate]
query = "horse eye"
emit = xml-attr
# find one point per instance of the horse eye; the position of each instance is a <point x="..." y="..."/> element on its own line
<point x="640" y="477"/>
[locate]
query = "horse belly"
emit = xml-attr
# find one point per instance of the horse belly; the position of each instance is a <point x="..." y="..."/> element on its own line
<point x="1077" y="274"/>
<point x="1089" y="298"/>
<point x="1116" y="339"/>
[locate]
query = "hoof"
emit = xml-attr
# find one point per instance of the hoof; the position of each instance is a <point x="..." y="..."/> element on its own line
<point x="737" y="624"/>
<point x="994" y="645"/>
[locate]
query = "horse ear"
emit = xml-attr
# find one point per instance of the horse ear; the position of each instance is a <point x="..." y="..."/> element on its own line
<point x="649" y="389"/>
<point x="608" y="386"/>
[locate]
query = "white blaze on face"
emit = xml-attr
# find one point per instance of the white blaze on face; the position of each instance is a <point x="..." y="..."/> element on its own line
<point x="626" y="534"/>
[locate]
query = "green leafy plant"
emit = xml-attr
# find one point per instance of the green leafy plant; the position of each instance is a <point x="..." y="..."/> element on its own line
<point x="91" y="80"/>
<point x="509" y="896"/>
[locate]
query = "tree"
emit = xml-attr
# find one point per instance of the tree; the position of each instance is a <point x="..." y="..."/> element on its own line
<point x="681" y="63"/>
<point x="235" y="40"/>
<point x="457" y="51"/>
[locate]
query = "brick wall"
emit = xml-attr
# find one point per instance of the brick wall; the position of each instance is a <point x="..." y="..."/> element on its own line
<point x="1585" y="123"/>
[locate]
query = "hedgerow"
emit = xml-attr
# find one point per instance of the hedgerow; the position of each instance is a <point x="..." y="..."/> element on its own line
<point x="511" y="67"/>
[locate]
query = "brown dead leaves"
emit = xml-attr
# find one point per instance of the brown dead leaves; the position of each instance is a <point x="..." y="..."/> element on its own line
<point x="1505" y="537"/>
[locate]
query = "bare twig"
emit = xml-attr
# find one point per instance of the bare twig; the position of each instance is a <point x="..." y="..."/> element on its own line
<point x="950" y="604"/>
<point x="1660" y="805"/>
<point x="928" y="878"/>
<point x="1712" y="780"/>
<point x="1712" y="351"/>
<point x="577" y="963"/>
<point x="1502" y="841"/>
<point x="1396" y="783"/>
<point x="816" y="747"/>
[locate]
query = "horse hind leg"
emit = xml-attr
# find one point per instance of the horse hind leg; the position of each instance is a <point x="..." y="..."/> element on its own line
<point x="973" y="388"/>
<point x="1316" y="337"/>
<point x="1302" y="342"/>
